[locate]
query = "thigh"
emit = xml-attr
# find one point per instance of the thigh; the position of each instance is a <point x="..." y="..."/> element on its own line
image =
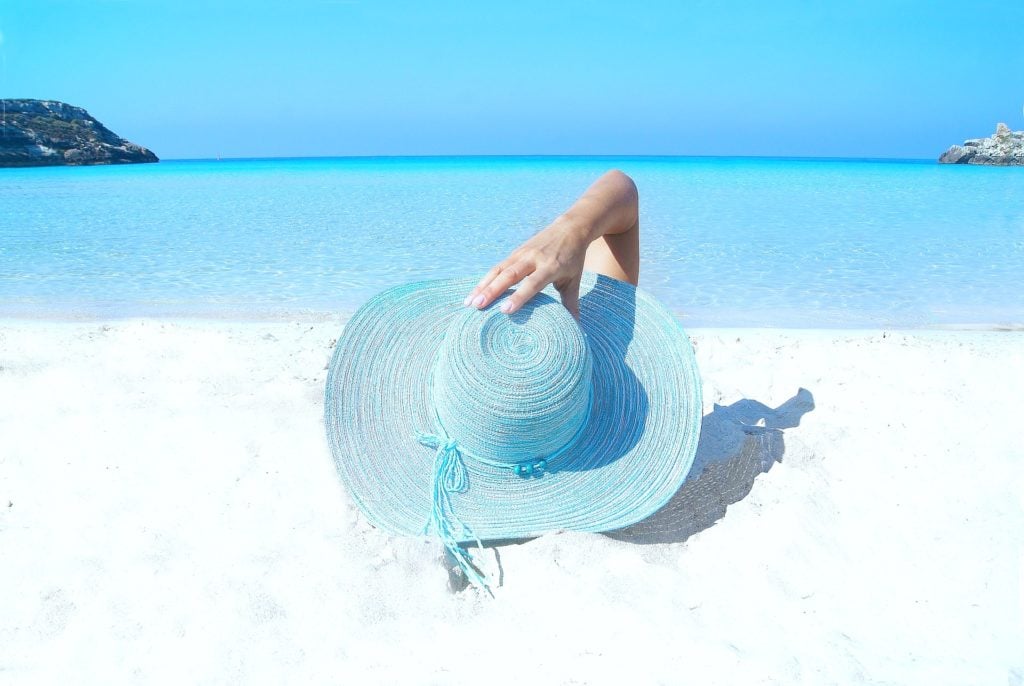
<point x="616" y="255"/>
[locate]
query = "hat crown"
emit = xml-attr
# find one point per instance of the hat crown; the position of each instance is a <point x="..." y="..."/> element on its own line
<point x="513" y="388"/>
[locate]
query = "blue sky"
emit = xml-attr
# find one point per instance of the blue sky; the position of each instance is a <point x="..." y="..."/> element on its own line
<point x="383" y="77"/>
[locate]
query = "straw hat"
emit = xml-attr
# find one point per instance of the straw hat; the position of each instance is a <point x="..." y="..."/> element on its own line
<point x="478" y="425"/>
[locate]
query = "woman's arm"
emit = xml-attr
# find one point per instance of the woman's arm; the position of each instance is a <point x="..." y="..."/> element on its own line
<point x="600" y="232"/>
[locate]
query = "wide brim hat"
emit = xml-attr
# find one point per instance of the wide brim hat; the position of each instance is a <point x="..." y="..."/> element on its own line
<point x="480" y="425"/>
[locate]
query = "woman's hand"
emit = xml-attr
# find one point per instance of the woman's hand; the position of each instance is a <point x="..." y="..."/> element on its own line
<point x="600" y="231"/>
<point x="555" y="255"/>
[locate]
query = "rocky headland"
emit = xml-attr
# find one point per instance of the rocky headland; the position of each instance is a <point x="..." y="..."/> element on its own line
<point x="37" y="133"/>
<point x="1004" y="148"/>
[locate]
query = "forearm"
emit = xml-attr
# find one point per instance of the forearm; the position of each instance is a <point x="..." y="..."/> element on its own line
<point x="609" y="206"/>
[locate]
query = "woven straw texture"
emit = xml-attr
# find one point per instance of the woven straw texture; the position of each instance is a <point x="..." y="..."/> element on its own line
<point x="616" y="398"/>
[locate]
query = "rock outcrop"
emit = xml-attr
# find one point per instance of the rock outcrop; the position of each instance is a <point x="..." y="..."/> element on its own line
<point x="1004" y="148"/>
<point x="35" y="133"/>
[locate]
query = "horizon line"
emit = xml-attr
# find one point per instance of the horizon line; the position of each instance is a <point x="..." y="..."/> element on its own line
<point x="816" y="158"/>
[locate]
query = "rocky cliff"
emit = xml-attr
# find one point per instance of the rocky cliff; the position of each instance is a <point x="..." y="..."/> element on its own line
<point x="1004" y="148"/>
<point x="35" y="133"/>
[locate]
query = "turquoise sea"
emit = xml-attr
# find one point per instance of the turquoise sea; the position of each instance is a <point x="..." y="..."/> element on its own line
<point x="725" y="241"/>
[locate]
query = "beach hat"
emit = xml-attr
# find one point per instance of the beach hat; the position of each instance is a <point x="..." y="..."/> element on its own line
<point x="478" y="425"/>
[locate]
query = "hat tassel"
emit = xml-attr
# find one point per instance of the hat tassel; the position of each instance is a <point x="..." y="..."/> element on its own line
<point x="450" y="476"/>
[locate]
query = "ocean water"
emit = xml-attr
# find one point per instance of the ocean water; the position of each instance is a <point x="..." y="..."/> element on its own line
<point x="725" y="242"/>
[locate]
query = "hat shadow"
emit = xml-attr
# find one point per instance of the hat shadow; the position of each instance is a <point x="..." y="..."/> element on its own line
<point x="737" y="443"/>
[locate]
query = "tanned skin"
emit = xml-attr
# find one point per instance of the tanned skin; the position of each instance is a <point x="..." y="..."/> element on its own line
<point x="599" y="233"/>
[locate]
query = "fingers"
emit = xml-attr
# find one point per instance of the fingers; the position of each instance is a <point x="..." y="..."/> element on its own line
<point x="501" y="278"/>
<point x="531" y="286"/>
<point x="488" y="277"/>
<point x="506" y="277"/>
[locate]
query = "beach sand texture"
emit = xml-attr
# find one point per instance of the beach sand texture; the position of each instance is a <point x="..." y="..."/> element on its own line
<point x="170" y="513"/>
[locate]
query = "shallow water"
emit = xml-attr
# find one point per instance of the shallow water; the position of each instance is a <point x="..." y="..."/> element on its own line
<point x="744" y="242"/>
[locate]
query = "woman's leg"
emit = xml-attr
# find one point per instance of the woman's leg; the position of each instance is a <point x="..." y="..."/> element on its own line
<point x="616" y="255"/>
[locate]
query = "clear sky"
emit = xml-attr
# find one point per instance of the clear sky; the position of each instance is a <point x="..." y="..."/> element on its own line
<point x="857" y="78"/>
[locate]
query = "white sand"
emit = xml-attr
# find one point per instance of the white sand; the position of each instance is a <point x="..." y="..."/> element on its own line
<point x="169" y="513"/>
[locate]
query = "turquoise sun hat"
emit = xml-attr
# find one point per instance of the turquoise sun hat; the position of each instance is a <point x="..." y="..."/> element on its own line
<point x="475" y="425"/>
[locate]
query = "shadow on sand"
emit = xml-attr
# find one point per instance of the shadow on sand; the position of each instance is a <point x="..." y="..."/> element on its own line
<point x="737" y="443"/>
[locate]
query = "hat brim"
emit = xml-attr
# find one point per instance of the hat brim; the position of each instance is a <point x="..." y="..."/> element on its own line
<point x="633" y="455"/>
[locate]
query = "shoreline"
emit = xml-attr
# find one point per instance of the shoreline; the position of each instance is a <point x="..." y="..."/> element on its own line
<point x="340" y="317"/>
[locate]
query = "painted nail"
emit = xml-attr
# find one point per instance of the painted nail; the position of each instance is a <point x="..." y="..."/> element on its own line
<point x="506" y="307"/>
<point x="478" y="300"/>
<point x="468" y="299"/>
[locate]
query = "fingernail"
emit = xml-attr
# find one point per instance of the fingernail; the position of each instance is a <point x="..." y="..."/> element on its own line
<point x="478" y="301"/>
<point x="467" y="300"/>
<point x="506" y="307"/>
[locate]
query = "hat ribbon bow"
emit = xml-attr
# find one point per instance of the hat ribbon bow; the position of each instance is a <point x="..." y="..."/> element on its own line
<point x="450" y="476"/>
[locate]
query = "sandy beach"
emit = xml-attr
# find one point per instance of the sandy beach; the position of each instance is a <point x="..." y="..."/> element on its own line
<point x="170" y="513"/>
